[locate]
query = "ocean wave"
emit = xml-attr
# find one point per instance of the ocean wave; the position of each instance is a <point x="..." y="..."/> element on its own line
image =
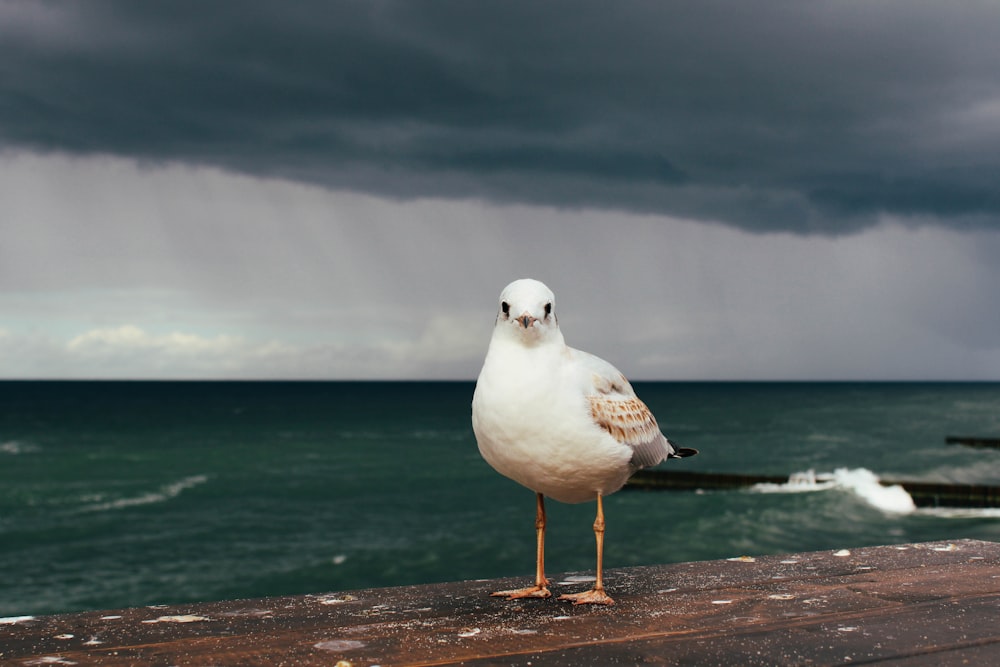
<point x="826" y="437"/>
<point x="984" y="470"/>
<point x="164" y="494"/>
<point x="860" y="481"/>
<point x="961" y="512"/>
<point x="17" y="447"/>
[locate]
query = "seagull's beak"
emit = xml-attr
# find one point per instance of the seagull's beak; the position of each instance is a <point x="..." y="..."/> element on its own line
<point x="526" y="319"/>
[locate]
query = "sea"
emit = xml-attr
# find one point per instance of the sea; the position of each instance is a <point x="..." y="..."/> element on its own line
<point x="121" y="494"/>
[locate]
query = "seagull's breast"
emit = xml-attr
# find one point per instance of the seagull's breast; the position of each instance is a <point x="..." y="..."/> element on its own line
<point x="533" y="423"/>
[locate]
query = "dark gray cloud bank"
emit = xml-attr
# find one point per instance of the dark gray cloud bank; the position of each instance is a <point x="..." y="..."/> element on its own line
<point x="810" y="117"/>
<point x="765" y="190"/>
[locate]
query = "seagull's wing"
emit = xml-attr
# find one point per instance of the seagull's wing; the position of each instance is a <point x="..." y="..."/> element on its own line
<point x="616" y="409"/>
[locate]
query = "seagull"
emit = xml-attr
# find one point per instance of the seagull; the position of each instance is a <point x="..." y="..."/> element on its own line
<point x="564" y="423"/>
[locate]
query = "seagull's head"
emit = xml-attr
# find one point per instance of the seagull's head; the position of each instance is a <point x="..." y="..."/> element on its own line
<point x="527" y="312"/>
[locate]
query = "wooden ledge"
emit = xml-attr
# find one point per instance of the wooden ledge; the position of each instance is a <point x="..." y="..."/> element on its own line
<point x="916" y="604"/>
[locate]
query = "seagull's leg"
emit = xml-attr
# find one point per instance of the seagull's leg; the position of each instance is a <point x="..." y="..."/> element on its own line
<point x="540" y="580"/>
<point x="539" y="590"/>
<point x="596" y="595"/>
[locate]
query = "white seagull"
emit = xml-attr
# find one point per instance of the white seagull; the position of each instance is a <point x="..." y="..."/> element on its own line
<point x="562" y="422"/>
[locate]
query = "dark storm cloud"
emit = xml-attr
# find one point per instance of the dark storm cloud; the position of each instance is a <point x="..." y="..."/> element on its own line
<point x="811" y="117"/>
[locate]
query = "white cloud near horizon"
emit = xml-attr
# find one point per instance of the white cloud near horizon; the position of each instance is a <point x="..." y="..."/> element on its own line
<point x="115" y="268"/>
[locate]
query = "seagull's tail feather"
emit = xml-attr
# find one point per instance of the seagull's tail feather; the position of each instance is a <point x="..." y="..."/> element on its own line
<point x="678" y="452"/>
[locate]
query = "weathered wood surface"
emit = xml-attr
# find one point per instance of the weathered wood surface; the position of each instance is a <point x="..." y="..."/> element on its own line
<point x="924" y="494"/>
<point x="919" y="604"/>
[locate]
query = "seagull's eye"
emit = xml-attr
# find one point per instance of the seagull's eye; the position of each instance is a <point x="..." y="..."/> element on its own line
<point x="548" y="309"/>
<point x="505" y="307"/>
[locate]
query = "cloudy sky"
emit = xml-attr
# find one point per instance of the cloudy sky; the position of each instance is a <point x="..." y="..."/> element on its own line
<point x="714" y="190"/>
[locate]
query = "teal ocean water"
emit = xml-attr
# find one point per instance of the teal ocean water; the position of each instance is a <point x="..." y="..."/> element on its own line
<point x="117" y="494"/>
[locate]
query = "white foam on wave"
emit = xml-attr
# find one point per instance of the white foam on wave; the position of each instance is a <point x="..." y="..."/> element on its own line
<point x="859" y="481"/>
<point x="17" y="447"/>
<point x="165" y="493"/>
<point x="798" y="482"/>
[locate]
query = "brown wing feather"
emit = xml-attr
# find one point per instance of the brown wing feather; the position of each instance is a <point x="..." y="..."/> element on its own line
<point x="616" y="409"/>
<point x="629" y="421"/>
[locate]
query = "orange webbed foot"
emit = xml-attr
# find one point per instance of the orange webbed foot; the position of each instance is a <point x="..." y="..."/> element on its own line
<point x="593" y="596"/>
<point x="519" y="593"/>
